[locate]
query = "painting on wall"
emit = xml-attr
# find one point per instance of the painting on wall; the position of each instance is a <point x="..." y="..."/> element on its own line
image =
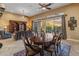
<point x="72" y="23"/>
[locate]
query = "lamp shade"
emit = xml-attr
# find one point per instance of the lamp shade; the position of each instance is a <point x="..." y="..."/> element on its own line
<point x="2" y="9"/>
<point x="2" y="5"/>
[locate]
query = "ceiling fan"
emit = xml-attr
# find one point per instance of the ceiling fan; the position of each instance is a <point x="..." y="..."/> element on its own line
<point x="45" y="5"/>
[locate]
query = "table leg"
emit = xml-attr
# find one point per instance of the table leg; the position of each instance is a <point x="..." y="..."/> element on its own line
<point x="42" y="51"/>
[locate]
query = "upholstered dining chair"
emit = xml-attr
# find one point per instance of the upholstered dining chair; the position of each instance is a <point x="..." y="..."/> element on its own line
<point x="50" y="46"/>
<point x="54" y="45"/>
<point x="31" y="49"/>
<point x="58" y="41"/>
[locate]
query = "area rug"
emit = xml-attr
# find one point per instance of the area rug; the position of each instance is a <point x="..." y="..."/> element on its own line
<point x="65" y="51"/>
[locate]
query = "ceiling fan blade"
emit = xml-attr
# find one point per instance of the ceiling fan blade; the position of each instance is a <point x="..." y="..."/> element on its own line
<point x="48" y="8"/>
<point x="48" y="4"/>
<point x="41" y="5"/>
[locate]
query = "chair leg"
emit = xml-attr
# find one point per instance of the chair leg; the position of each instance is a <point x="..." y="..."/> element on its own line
<point x="55" y="50"/>
<point x="26" y="54"/>
<point x="1" y="45"/>
<point x="60" y="49"/>
<point x="41" y="53"/>
<point x="51" y="53"/>
<point x="55" y="53"/>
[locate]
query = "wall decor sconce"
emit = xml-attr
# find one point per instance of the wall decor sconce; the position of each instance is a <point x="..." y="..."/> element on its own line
<point x="72" y="23"/>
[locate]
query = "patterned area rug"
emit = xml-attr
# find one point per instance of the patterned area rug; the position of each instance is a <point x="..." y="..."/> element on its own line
<point x="65" y="51"/>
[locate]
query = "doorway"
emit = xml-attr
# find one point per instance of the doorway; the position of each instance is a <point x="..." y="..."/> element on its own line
<point x="16" y="26"/>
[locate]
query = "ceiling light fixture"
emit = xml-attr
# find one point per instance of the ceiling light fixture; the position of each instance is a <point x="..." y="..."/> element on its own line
<point x="44" y="8"/>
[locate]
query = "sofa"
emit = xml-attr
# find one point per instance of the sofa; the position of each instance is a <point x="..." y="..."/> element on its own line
<point x="5" y="35"/>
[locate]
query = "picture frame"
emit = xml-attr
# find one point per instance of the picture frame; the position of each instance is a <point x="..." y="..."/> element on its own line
<point x="72" y="23"/>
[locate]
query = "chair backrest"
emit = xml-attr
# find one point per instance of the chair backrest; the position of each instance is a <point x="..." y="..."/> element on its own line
<point x="60" y="36"/>
<point x="55" y="38"/>
<point x="28" y="44"/>
<point x="26" y="41"/>
<point x="33" y="38"/>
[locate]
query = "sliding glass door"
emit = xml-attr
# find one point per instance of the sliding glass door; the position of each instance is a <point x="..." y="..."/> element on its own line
<point x="54" y="25"/>
<point x="51" y="25"/>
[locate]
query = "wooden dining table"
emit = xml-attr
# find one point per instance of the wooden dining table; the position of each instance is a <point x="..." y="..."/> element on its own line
<point x="41" y="42"/>
<point x="46" y="41"/>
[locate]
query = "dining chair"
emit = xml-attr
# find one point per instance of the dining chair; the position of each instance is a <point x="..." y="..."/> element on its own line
<point x="58" y="41"/>
<point x="54" y="45"/>
<point x="31" y="49"/>
<point x="50" y="46"/>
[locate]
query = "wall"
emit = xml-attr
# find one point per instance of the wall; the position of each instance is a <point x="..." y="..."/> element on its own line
<point x="69" y="10"/>
<point x="4" y="20"/>
<point x="29" y="22"/>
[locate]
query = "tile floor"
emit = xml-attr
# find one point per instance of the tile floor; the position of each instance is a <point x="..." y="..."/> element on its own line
<point x="11" y="46"/>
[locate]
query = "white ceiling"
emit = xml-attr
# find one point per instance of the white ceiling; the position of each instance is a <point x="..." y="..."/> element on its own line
<point x="29" y="9"/>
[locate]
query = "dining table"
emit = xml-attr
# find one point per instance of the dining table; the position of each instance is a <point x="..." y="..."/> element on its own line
<point x="43" y="42"/>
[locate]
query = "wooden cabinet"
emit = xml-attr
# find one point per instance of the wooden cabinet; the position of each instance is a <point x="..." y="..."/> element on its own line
<point x="17" y="26"/>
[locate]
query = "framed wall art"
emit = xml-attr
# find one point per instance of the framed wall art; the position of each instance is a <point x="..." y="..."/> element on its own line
<point x="72" y="23"/>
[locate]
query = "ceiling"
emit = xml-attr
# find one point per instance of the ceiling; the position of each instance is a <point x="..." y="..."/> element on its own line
<point x="29" y="9"/>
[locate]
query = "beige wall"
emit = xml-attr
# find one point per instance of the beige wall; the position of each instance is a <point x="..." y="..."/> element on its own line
<point x="4" y="20"/>
<point x="29" y="22"/>
<point x="69" y="10"/>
